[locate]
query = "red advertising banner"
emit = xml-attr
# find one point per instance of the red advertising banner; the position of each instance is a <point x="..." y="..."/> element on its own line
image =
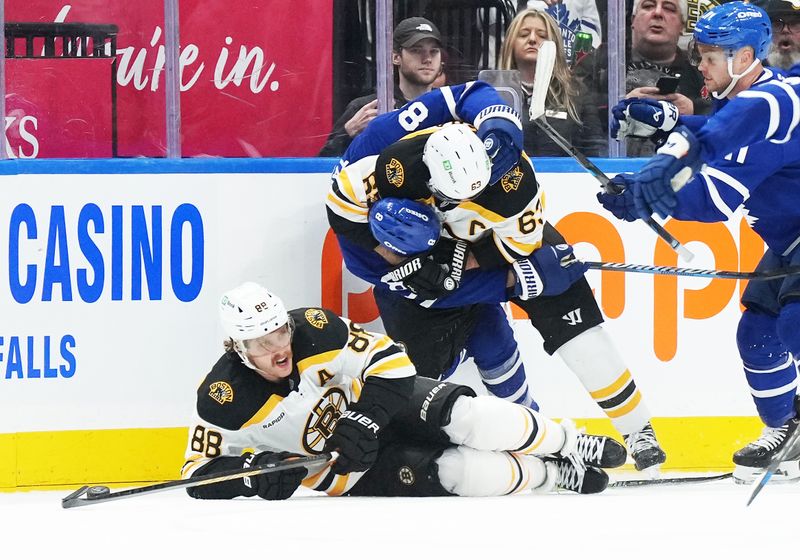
<point x="58" y="108"/>
<point x="255" y="75"/>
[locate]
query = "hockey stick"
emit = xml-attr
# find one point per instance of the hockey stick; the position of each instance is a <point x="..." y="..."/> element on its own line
<point x="791" y="447"/>
<point x="668" y="481"/>
<point x="88" y="495"/>
<point x="541" y="82"/>
<point x="695" y="272"/>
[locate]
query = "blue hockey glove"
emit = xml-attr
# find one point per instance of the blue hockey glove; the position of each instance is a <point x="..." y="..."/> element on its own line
<point x="501" y="131"/>
<point x="404" y="226"/>
<point x="549" y="271"/>
<point x="619" y="199"/>
<point x="639" y="117"/>
<point x="665" y="174"/>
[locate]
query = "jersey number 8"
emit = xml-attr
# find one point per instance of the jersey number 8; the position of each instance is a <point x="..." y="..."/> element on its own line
<point x="411" y="118"/>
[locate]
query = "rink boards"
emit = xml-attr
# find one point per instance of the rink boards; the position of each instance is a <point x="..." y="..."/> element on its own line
<point x="110" y="273"/>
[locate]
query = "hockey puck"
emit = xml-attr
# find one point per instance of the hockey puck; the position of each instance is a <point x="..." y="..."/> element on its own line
<point x="95" y="492"/>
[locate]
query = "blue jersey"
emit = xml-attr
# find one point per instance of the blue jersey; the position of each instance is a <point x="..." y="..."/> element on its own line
<point x="353" y="185"/>
<point x="752" y="148"/>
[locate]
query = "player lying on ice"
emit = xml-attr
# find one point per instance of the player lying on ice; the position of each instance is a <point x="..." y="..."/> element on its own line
<point x="306" y="381"/>
<point x="751" y="151"/>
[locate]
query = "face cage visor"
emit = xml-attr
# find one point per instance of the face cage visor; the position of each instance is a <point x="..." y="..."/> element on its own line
<point x="439" y="195"/>
<point x="275" y="341"/>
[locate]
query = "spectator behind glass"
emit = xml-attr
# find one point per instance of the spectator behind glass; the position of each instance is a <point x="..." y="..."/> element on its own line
<point x="656" y="27"/>
<point x="568" y="107"/>
<point x="417" y="54"/>
<point x="573" y="16"/>
<point x="785" y="16"/>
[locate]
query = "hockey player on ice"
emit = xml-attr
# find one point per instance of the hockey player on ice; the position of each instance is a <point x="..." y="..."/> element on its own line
<point x="487" y="231"/>
<point x="751" y="150"/>
<point x="306" y="381"/>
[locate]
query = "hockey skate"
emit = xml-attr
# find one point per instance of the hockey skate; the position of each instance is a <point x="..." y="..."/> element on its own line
<point x="645" y="450"/>
<point x="593" y="451"/>
<point x="752" y="459"/>
<point x="572" y="475"/>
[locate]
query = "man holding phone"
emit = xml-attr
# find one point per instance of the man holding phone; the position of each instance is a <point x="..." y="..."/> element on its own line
<point x="657" y="68"/>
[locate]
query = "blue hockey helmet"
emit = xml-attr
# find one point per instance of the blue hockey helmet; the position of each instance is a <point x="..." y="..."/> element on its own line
<point x="404" y="226"/>
<point x="735" y="25"/>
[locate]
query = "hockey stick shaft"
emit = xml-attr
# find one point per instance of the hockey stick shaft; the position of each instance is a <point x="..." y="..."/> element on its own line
<point x="668" y="481"/>
<point x="608" y="186"/>
<point x="790" y="448"/>
<point x="541" y="84"/>
<point x="76" y="500"/>
<point x="695" y="272"/>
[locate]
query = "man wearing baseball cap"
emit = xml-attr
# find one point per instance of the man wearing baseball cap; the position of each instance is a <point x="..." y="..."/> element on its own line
<point x="417" y="54"/>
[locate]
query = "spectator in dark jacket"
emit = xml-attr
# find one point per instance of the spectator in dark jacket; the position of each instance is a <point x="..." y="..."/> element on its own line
<point x="417" y="54"/>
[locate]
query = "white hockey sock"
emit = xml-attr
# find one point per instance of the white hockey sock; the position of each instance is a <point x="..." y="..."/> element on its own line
<point x="490" y="423"/>
<point x="593" y="357"/>
<point x="469" y="472"/>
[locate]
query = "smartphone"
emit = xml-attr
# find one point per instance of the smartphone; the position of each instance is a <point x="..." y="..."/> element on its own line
<point x="667" y="84"/>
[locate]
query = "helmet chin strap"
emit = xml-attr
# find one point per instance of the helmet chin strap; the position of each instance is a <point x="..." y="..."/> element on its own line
<point x="734" y="78"/>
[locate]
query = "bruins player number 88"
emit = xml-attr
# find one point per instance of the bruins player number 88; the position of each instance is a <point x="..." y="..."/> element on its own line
<point x="305" y="381"/>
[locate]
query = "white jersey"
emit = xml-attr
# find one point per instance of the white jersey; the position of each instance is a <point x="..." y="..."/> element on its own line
<point x="238" y="411"/>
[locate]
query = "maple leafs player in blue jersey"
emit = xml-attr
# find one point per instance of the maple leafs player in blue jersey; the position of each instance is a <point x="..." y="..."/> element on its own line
<point x="747" y="154"/>
<point x="499" y="230"/>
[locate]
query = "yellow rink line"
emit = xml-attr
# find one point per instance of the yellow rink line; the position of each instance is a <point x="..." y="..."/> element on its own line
<point x="33" y="460"/>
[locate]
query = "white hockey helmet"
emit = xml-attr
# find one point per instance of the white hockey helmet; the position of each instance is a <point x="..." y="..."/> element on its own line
<point x="458" y="163"/>
<point x="256" y="320"/>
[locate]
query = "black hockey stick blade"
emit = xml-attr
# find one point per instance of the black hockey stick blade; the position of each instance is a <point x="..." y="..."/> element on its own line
<point x="88" y="495"/>
<point x="695" y="272"/>
<point x="668" y="481"/>
<point x="791" y="447"/>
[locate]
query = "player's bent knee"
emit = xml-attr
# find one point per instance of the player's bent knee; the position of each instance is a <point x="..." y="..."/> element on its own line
<point x="757" y="338"/>
<point x="484" y="422"/>
<point x="787" y="326"/>
<point x="429" y="409"/>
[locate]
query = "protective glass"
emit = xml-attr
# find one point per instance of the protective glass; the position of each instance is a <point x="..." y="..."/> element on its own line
<point x="273" y="342"/>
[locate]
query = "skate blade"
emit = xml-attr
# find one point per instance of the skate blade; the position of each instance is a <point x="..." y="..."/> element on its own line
<point x="652" y="473"/>
<point x="788" y="471"/>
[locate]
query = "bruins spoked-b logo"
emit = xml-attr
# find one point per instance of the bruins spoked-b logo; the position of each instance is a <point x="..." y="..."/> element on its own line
<point x="221" y="392"/>
<point x="316" y="317"/>
<point x="395" y="173"/>
<point x="406" y="475"/>
<point x="322" y="420"/>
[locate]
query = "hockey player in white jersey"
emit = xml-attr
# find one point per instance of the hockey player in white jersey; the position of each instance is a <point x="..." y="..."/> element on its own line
<point x="304" y="381"/>
<point x="502" y="226"/>
<point x="749" y="151"/>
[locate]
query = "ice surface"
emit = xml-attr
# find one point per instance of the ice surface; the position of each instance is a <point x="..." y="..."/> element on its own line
<point x="702" y="521"/>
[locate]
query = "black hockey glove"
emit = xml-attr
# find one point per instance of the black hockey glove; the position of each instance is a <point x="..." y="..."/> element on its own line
<point x="355" y="437"/>
<point x="278" y="485"/>
<point x="423" y="276"/>
<point x="453" y="254"/>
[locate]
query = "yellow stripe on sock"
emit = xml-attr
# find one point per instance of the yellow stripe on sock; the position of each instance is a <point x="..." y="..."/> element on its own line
<point x="602" y="394"/>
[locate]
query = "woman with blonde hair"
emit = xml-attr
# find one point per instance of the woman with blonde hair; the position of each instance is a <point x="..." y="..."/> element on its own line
<point x="566" y="103"/>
